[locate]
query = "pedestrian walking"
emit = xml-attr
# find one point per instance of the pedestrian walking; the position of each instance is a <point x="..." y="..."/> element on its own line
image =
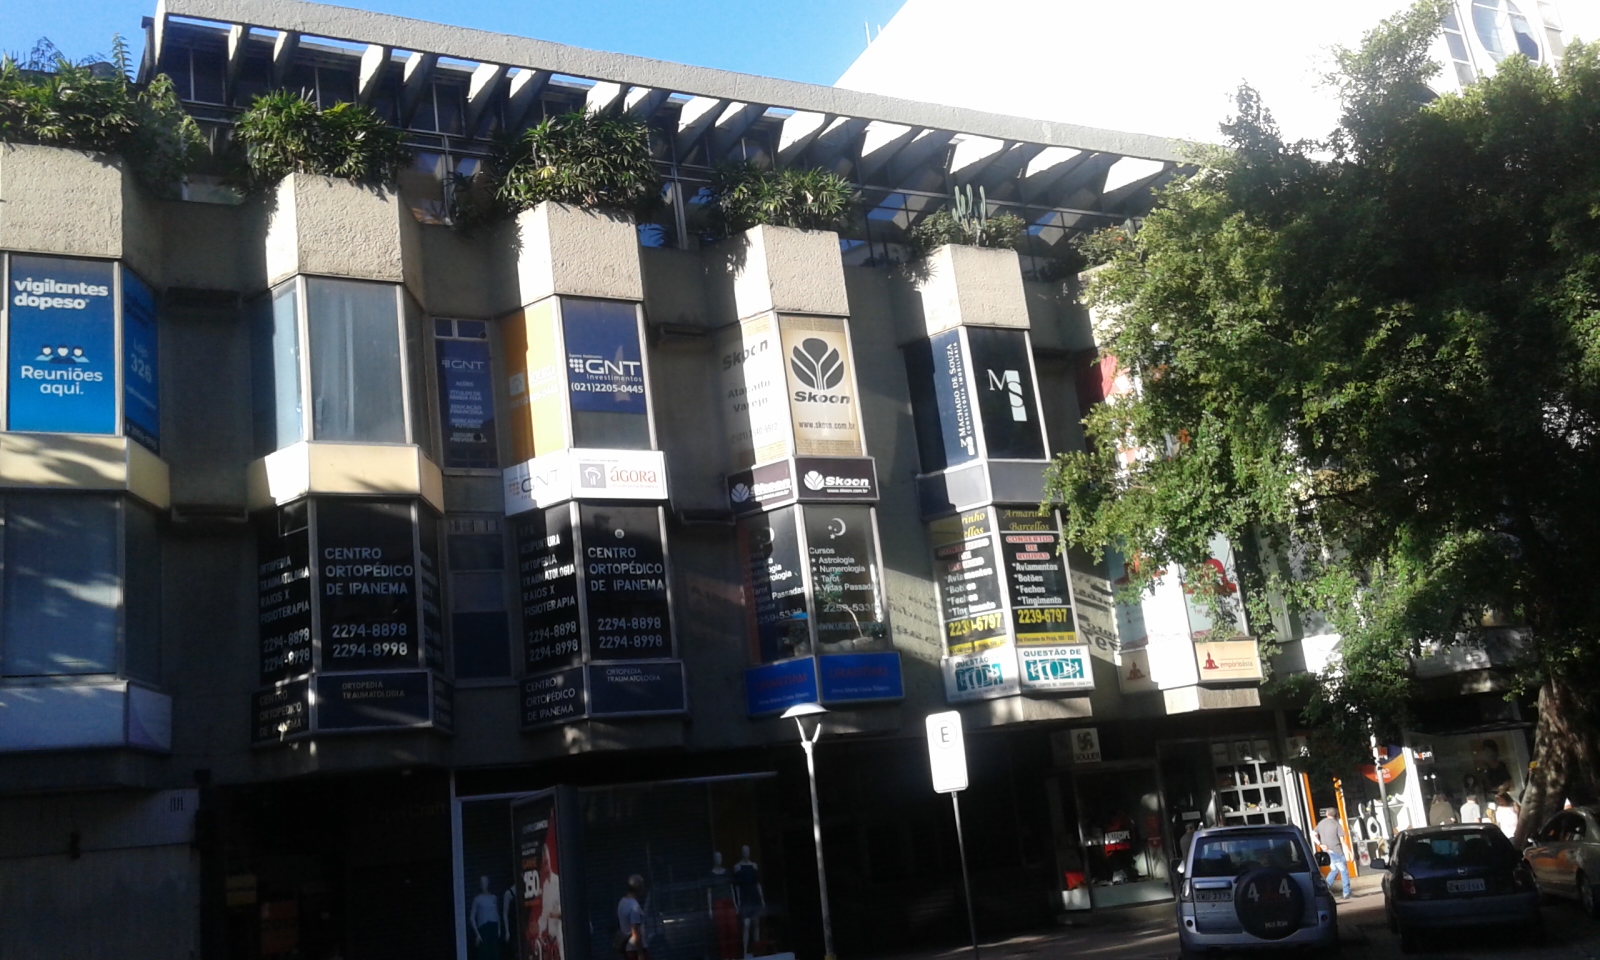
<point x="1330" y="837"/>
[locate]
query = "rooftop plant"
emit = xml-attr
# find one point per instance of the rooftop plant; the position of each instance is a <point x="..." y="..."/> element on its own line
<point x="745" y="196"/>
<point x="966" y="222"/>
<point x="284" y="132"/>
<point x="49" y="100"/>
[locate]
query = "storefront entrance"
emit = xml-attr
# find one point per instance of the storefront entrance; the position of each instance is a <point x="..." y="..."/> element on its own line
<point x="1121" y="819"/>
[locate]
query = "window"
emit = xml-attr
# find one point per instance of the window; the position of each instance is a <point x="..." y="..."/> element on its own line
<point x="1236" y="856"/>
<point x="356" y="383"/>
<point x="478" y="616"/>
<point x="60" y="610"/>
<point x="466" y="394"/>
<point x="1456" y="41"/>
<point x="417" y="379"/>
<point x="1503" y="30"/>
<point x="605" y="374"/>
<point x="275" y="374"/>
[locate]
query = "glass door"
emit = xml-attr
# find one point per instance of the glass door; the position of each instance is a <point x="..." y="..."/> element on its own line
<point x="1126" y="850"/>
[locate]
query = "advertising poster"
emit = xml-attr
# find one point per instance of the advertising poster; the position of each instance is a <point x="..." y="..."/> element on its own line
<point x="363" y="701"/>
<point x="538" y="929"/>
<point x="141" y="369"/>
<point x="1054" y="669"/>
<point x="772" y="687"/>
<point x="969" y="593"/>
<point x="837" y="478"/>
<point x="466" y="403"/>
<point x="941" y="404"/>
<point x="859" y="677"/>
<point x="636" y="689"/>
<point x="760" y="488"/>
<point x="283" y="593"/>
<point x="822" y="387"/>
<point x="847" y="592"/>
<point x="1228" y="660"/>
<point x="62" y="346"/>
<point x="775" y="586"/>
<point x="554" y="698"/>
<point x="755" y="410"/>
<point x="1096" y="612"/>
<point x="281" y="713"/>
<point x="1007" y="403"/>
<point x="1036" y="578"/>
<point x="534" y="382"/>
<point x="605" y="368"/>
<point x="625" y="577"/>
<point x="547" y="578"/>
<point x="984" y="675"/>
<point x="368" y="585"/>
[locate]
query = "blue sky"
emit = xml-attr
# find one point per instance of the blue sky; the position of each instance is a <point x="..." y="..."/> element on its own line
<point x="809" y="40"/>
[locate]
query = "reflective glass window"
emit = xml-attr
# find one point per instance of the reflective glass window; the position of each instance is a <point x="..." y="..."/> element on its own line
<point x="275" y="371"/>
<point x="62" y="586"/>
<point x="356" y="389"/>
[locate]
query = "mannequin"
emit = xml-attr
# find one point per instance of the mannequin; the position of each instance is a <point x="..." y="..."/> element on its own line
<point x="721" y="897"/>
<point x="487" y="920"/>
<point x="749" y="897"/>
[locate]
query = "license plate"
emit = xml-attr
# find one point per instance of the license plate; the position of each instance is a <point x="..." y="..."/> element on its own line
<point x="1464" y="886"/>
<point x="1213" y="895"/>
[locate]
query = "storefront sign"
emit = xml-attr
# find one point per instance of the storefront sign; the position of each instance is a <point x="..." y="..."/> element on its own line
<point x="1228" y="660"/>
<point x="62" y="346"/>
<point x="825" y="479"/>
<point x="625" y="581"/>
<point x="540" y="934"/>
<point x="1036" y="578"/>
<point x="969" y="596"/>
<point x="367" y="584"/>
<point x="941" y="401"/>
<point x="1002" y="365"/>
<point x="283" y="593"/>
<point x="773" y="687"/>
<point x="554" y="698"/>
<point x="1095" y="604"/>
<point x="761" y="488"/>
<point x="1050" y="669"/>
<point x="754" y="406"/>
<point x="466" y="403"/>
<point x="859" y="677"/>
<point x="1085" y="744"/>
<point x="984" y="675"/>
<point x="585" y="473"/>
<point x="141" y="381"/>
<point x="605" y="371"/>
<point x="1133" y="674"/>
<point x="281" y="712"/>
<point x="547" y="575"/>
<point x="775" y="586"/>
<point x="636" y="689"/>
<point x="534" y="382"/>
<point x="361" y="701"/>
<point x="822" y="386"/>
<point x="847" y="592"/>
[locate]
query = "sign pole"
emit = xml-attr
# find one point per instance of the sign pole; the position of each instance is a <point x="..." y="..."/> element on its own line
<point x="966" y="884"/>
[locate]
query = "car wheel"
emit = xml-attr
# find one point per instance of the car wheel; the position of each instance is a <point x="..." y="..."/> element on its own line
<point x="1408" y="941"/>
<point x="1586" y="896"/>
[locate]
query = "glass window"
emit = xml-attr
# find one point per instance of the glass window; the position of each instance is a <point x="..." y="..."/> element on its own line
<point x="1235" y="856"/>
<point x="1503" y="30"/>
<point x="275" y="363"/>
<point x="208" y="66"/>
<point x="60" y="605"/>
<point x="479" y="621"/>
<point x="143" y="592"/>
<point x="466" y="394"/>
<point x="355" y="361"/>
<point x="605" y="374"/>
<point x="848" y="597"/>
<point x="417" y="375"/>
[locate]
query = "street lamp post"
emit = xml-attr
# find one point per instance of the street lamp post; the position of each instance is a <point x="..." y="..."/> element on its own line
<point x="809" y="744"/>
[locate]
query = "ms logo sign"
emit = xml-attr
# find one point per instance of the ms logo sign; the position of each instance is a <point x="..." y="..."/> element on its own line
<point x="1010" y="382"/>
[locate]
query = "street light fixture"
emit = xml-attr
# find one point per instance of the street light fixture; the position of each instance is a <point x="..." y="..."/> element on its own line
<point x="798" y="713"/>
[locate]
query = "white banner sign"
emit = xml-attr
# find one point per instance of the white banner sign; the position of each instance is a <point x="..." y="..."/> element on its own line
<point x="1055" y="668"/>
<point x="585" y="474"/>
<point x="984" y="675"/>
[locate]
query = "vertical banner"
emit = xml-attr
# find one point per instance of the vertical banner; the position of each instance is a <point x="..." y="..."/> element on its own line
<point x="755" y="411"/>
<point x="547" y="576"/>
<point x="534" y="381"/>
<point x="62" y="346"/>
<point x="605" y="368"/>
<point x="538" y="932"/>
<point x="820" y="374"/>
<point x="625" y="582"/>
<point x="969" y="587"/>
<point x="141" y="391"/>
<point x="1036" y="577"/>
<point x="367" y="563"/>
<point x="283" y="592"/>
<point x="466" y="402"/>
<point x="775" y="587"/>
<point x="941" y="406"/>
<point x="1002" y="364"/>
<point x="846" y="590"/>
<point x="1096" y="606"/>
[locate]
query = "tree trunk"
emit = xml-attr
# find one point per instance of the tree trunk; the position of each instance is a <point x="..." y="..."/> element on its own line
<point x="1566" y="756"/>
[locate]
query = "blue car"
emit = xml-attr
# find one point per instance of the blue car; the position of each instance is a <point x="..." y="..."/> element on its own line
<point x="1464" y="875"/>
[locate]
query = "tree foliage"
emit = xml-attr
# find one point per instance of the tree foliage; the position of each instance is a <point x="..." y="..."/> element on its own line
<point x="284" y="132"/>
<point x="1374" y="361"/>
<point x="49" y="100"/>
<point x="745" y="195"/>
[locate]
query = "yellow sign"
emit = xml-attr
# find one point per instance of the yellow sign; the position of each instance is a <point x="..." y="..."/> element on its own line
<point x="1228" y="660"/>
<point x="535" y="382"/>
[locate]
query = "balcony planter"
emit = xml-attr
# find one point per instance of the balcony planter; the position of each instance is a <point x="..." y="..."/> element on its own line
<point x="975" y="286"/>
<point x="67" y="202"/>
<point x="787" y="270"/>
<point x="562" y="249"/>
<point x="335" y="228"/>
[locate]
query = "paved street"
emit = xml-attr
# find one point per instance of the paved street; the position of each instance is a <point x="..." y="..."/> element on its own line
<point x="1148" y="933"/>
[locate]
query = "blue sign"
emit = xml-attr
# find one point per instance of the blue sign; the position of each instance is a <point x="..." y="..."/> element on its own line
<point x="466" y="403"/>
<point x="856" y="677"/>
<point x="605" y="368"/>
<point x="62" y="346"/>
<point x="358" y="701"/>
<point x="141" y="391"/>
<point x="772" y="687"/>
<point x="632" y="689"/>
<point x="554" y="698"/>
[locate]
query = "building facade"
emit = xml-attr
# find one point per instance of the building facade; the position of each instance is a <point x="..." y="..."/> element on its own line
<point x="378" y="590"/>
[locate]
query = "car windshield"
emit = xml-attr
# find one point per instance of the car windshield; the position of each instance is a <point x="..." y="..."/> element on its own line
<point x="1235" y="856"/>
<point x="1485" y="848"/>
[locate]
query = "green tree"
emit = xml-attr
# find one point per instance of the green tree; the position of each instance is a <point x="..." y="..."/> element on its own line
<point x="1374" y="362"/>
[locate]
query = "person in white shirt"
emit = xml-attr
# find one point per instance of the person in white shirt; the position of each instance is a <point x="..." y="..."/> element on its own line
<point x="1506" y="814"/>
<point x="1470" y="811"/>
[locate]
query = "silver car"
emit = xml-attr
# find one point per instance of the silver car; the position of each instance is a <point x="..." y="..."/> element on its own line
<point x="1253" y="887"/>
<point x="1565" y="857"/>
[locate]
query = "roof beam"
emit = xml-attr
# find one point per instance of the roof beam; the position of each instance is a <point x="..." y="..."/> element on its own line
<point x="973" y="155"/>
<point x="733" y="123"/>
<point x="880" y="142"/>
<point x="373" y="61"/>
<point x="1129" y="176"/>
<point x="523" y="92"/>
<point x="837" y="142"/>
<point x="1009" y="164"/>
<point x="418" y="76"/>
<point x="919" y="152"/>
<point x="694" y="120"/>
<point x="283" y="51"/>
<point x="487" y="78"/>
<point x="603" y="96"/>
<point x="238" y="35"/>
<point x="799" y="129"/>
<point x="643" y="102"/>
<point x="1046" y="167"/>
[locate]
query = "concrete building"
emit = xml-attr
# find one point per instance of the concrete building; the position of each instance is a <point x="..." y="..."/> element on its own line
<point x="376" y="590"/>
